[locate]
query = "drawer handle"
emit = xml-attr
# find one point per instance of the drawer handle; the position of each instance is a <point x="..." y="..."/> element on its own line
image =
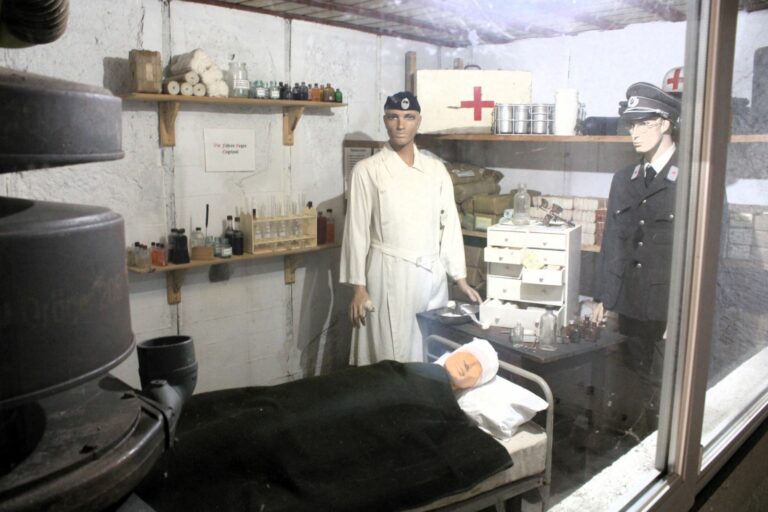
<point x="501" y="258"/>
<point x="541" y="279"/>
<point x="544" y="244"/>
<point x="503" y="290"/>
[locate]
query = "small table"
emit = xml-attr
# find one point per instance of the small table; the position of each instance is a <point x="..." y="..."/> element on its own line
<point x="545" y="363"/>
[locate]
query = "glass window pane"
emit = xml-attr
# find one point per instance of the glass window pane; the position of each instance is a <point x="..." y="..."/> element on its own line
<point x="740" y="335"/>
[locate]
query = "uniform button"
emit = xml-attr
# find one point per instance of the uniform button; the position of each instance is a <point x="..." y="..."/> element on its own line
<point x="618" y="212"/>
<point x="642" y="222"/>
<point x="638" y="265"/>
<point x="640" y="244"/>
<point x="671" y="215"/>
<point x="645" y="201"/>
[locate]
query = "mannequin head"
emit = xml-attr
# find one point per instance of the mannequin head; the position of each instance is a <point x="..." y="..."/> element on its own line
<point x="472" y="364"/>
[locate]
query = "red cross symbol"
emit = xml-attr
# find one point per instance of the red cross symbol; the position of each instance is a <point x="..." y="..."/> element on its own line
<point x="477" y="104"/>
<point x="675" y="80"/>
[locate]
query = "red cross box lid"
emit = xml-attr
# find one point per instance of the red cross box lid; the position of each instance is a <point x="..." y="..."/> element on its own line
<point x="462" y="100"/>
<point x="673" y="80"/>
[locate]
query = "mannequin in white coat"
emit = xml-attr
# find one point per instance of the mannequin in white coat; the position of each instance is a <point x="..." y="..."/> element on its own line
<point x="402" y="236"/>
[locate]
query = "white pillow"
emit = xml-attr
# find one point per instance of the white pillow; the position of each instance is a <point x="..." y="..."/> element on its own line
<point x="500" y="406"/>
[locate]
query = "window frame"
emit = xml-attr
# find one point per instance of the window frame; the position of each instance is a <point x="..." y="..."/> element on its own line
<point x="706" y="121"/>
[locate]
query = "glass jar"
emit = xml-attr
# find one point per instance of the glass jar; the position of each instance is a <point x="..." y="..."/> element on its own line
<point x="240" y="85"/>
<point x="548" y="329"/>
<point x="522" y="203"/>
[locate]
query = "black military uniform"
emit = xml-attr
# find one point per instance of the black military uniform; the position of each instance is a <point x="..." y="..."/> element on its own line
<point x="636" y="252"/>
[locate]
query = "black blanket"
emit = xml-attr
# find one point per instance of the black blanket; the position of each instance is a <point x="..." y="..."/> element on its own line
<point x="382" y="437"/>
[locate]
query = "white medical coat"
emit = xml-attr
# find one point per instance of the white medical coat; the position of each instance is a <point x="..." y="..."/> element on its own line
<point x="402" y="235"/>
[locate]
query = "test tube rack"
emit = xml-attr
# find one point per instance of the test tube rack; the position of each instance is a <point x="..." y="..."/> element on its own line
<point x="255" y="229"/>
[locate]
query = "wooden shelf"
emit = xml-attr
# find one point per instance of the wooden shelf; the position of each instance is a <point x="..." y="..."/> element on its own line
<point x="169" y="105"/>
<point x="490" y="137"/>
<point x="174" y="274"/>
<point x="483" y="234"/>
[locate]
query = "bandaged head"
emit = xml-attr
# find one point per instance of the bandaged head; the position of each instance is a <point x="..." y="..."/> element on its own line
<point x="472" y="364"/>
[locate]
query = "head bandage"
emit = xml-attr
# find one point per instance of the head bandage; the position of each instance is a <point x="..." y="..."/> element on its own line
<point x="484" y="352"/>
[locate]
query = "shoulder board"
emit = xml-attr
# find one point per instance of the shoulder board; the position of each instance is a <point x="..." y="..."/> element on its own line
<point x="672" y="174"/>
<point x="635" y="173"/>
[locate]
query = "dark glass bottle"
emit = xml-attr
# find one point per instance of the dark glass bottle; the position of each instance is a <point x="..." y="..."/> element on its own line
<point x="321" y="228"/>
<point x="229" y="231"/>
<point x="296" y="91"/>
<point x="181" y="249"/>
<point x="237" y="239"/>
<point x="338" y="96"/>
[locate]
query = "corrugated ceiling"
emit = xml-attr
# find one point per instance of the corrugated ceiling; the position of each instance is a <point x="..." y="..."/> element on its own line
<point x="461" y="23"/>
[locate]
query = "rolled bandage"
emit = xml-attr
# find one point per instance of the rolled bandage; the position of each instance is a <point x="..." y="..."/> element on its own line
<point x="198" y="90"/>
<point x="196" y="60"/>
<point x="211" y="75"/>
<point x="190" y="77"/>
<point x="172" y="87"/>
<point x="369" y="307"/>
<point x="218" y="88"/>
<point x="186" y="89"/>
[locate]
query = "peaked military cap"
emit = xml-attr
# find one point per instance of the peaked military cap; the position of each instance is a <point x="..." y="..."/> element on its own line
<point x="645" y="100"/>
<point x="402" y="101"/>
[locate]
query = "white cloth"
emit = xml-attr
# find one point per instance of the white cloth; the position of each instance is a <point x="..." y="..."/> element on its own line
<point x="402" y="234"/>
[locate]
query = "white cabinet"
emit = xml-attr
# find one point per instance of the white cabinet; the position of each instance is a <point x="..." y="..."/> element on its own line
<point x="531" y="268"/>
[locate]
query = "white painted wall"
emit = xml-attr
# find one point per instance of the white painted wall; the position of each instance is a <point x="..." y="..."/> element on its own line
<point x="253" y="329"/>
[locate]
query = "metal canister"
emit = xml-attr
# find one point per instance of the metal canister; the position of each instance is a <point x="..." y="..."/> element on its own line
<point x="502" y="118"/>
<point x="521" y="118"/>
<point x="541" y="119"/>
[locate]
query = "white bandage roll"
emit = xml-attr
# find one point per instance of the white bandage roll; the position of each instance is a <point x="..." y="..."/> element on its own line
<point x="190" y="77"/>
<point x="211" y="75"/>
<point x="196" y="60"/>
<point x="218" y="88"/>
<point x="566" y="111"/>
<point x="186" y="89"/>
<point x="171" y="87"/>
<point x="198" y="90"/>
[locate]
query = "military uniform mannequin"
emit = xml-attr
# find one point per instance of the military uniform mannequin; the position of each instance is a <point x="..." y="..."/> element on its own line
<point x="636" y="252"/>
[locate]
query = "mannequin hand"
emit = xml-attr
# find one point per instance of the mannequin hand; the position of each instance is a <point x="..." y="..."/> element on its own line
<point x="469" y="291"/>
<point x="360" y="306"/>
<point x="598" y="312"/>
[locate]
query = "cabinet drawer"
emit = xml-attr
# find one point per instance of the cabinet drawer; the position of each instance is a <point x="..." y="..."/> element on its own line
<point x="545" y="241"/>
<point x="504" y="288"/>
<point x="542" y="294"/>
<point x="507" y="238"/>
<point x="503" y="255"/>
<point x="543" y="276"/>
<point x="505" y="269"/>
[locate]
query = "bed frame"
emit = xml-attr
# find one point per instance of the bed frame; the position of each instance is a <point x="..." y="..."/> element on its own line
<point x="499" y="496"/>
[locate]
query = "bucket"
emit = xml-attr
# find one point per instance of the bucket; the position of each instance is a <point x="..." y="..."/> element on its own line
<point x="521" y="118"/>
<point x="502" y="118"/>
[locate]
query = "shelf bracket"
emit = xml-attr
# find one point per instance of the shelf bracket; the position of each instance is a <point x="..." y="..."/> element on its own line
<point x="173" y="281"/>
<point x="289" y="268"/>
<point x="291" y="116"/>
<point x="167" y="119"/>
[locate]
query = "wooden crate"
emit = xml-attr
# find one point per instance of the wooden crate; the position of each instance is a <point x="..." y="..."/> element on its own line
<point x="254" y="230"/>
<point x="146" y="71"/>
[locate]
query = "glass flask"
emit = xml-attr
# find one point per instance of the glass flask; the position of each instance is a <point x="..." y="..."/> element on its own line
<point x="522" y="203"/>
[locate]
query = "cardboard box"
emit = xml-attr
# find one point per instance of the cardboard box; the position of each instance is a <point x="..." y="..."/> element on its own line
<point x="463" y="100"/>
<point x="474" y="256"/>
<point x="146" y="72"/>
<point x="495" y="204"/>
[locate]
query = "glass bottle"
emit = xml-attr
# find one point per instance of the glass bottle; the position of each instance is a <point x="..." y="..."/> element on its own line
<point x="181" y="250"/>
<point x="239" y="79"/>
<point x="229" y="231"/>
<point x="237" y="239"/>
<point x="330" y="227"/>
<point x="198" y="239"/>
<point x="225" y="249"/>
<point x="338" y="97"/>
<point x="172" y="245"/>
<point x="522" y="203"/>
<point x="321" y="228"/>
<point x="304" y="91"/>
<point x="274" y="91"/>
<point x="287" y="93"/>
<point x="255" y="225"/>
<point x="547" y="329"/>
<point x="296" y="91"/>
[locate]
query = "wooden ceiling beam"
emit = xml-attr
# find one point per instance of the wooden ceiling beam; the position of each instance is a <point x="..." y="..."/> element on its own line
<point x="449" y="42"/>
<point x="665" y="12"/>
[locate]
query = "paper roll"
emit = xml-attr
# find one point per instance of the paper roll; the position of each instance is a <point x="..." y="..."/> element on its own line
<point x="566" y="111"/>
<point x="171" y="87"/>
<point x="198" y="90"/>
<point x="186" y="89"/>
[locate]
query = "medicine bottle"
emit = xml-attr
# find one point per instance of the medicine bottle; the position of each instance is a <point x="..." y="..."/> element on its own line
<point x="548" y="329"/>
<point x="522" y="202"/>
<point x="330" y="227"/>
<point x="321" y="228"/>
